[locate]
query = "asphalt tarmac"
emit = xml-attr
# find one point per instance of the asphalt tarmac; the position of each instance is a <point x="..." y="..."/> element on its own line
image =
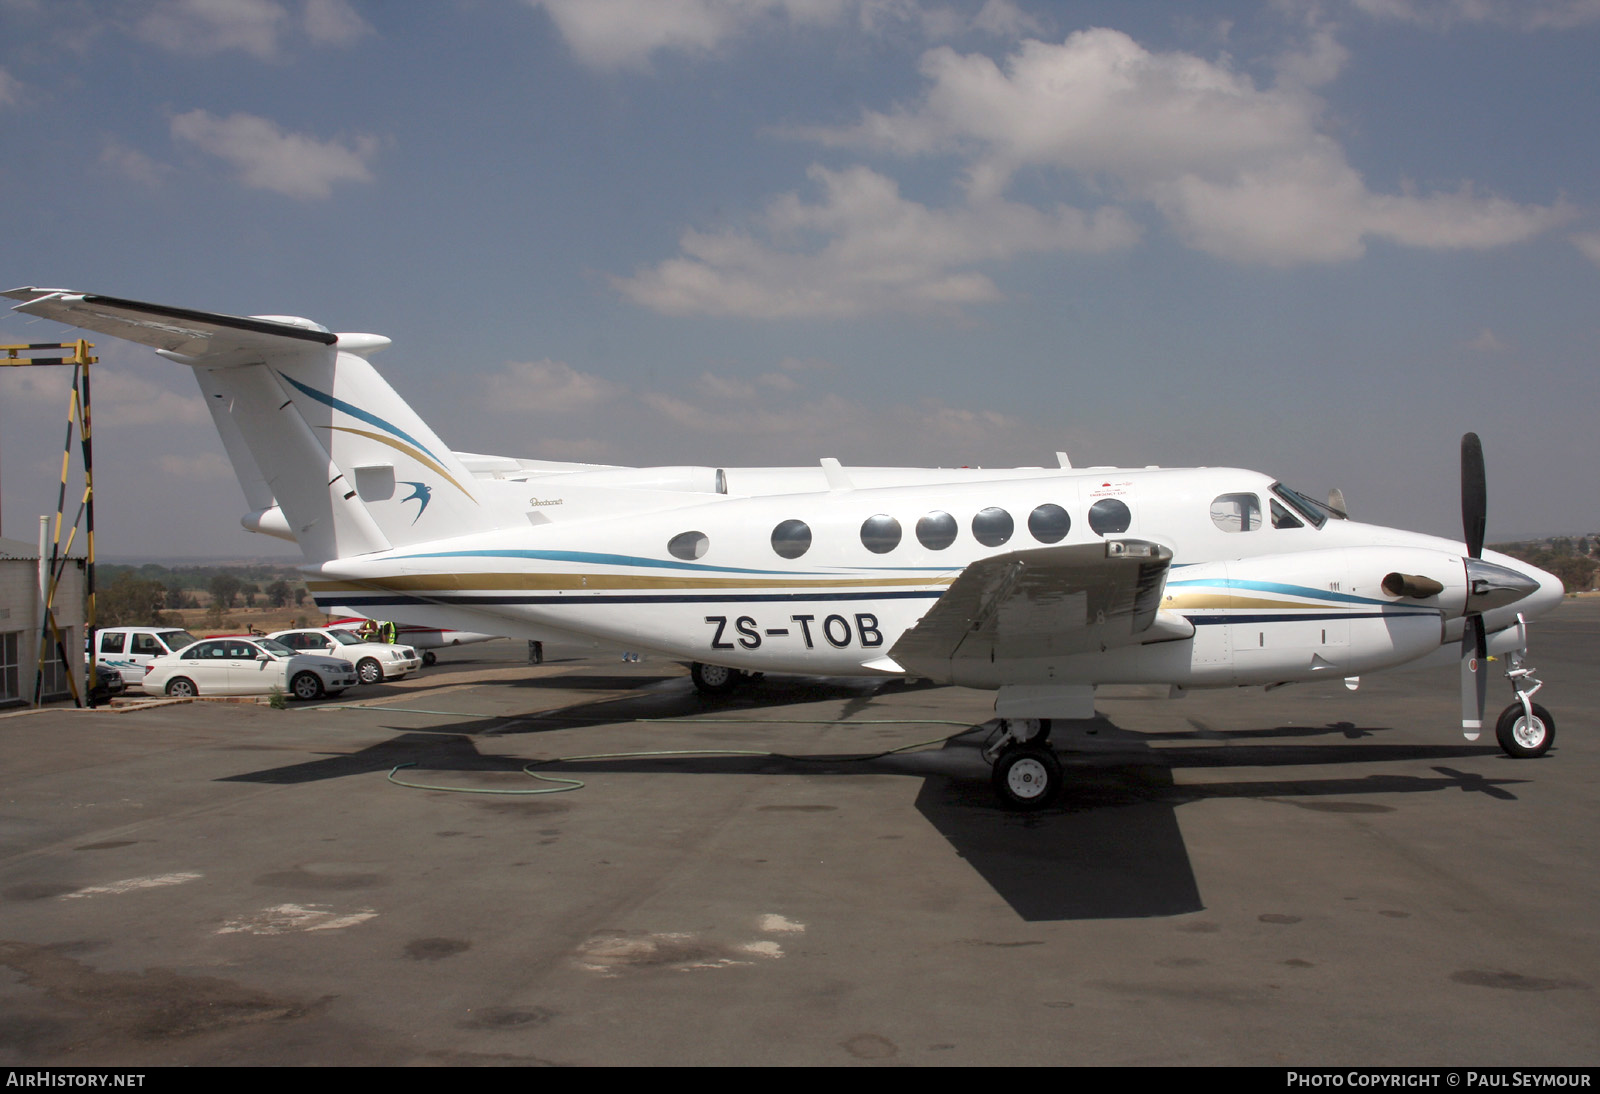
<point x="1306" y="876"/>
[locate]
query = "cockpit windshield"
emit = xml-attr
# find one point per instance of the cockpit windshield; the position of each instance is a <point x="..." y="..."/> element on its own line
<point x="1316" y="512"/>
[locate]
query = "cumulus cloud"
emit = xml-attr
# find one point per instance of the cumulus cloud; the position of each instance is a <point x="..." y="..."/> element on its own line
<point x="256" y="27"/>
<point x="334" y="23"/>
<point x="10" y="90"/>
<point x="268" y="158"/>
<point x="1522" y="14"/>
<point x="120" y="397"/>
<point x="187" y="468"/>
<point x="613" y="34"/>
<point x="1240" y="171"/>
<point x="132" y="164"/>
<point x="862" y="248"/>
<point x="549" y="388"/>
<point x="1589" y="244"/>
<point x="785" y="416"/>
<point x="624" y="33"/>
<point x="212" y="26"/>
<point x="1487" y="342"/>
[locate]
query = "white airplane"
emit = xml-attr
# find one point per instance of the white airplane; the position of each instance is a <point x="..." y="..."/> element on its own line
<point x="1039" y="584"/>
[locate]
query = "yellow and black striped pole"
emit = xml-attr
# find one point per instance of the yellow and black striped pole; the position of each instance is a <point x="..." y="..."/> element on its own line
<point x="86" y="439"/>
<point x="50" y="634"/>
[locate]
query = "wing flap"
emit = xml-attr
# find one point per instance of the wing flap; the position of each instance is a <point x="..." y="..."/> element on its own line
<point x="208" y="336"/>
<point x="1049" y="601"/>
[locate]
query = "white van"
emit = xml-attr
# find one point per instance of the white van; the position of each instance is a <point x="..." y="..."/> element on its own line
<point x="130" y="649"/>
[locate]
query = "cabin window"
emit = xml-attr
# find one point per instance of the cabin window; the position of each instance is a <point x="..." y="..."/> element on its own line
<point x="880" y="534"/>
<point x="1282" y="518"/>
<point x="688" y="545"/>
<point x="1049" y="523"/>
<point x="1236" y="512"/>
<point x="936" y="531"/>
<point x="992" y="526"/>
<point x="112" y="641"/>
<point x="1109" y="515"/>
<point x="792" y="538"/>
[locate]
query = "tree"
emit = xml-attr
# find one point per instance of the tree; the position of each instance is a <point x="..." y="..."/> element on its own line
<point x="278" y="593"/>
<point x="224" y="587"/>
<point x="130" y="601"/>
<point x="1575" y="571"/>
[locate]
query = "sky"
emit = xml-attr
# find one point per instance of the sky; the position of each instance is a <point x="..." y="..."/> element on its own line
<point x="1315" y="239"/>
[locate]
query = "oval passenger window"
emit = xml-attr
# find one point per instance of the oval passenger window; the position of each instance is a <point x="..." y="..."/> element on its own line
<point x="688" y="545"/>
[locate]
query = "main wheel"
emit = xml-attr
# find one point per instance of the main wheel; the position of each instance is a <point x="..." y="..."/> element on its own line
<point x="369" y="671"/>
<point x="306" y="686"/>
<point x="1027" y="776"/>
<point x="181" y="687"/>
<point x="1524" y="739"/>
<point x="714" y="679"/>
<point x="429" y="657"/>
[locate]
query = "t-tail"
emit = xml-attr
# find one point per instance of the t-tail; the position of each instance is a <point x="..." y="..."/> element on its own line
<point x="327" y="452"/>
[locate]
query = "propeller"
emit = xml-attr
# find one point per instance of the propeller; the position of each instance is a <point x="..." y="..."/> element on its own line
<point x="1474" y="643"/>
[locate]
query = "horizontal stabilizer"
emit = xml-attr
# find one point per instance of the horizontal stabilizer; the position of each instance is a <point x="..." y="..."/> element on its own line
<point x="193" y="334"/>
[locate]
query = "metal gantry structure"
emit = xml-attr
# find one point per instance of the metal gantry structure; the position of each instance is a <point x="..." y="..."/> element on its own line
<point x="78" y="421"/>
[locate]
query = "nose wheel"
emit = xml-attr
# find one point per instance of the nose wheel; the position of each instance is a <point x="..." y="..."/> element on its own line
<point x="1524" y="734"/>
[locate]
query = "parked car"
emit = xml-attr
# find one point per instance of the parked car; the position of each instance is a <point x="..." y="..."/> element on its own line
<point x="375" y="661"/>
<point x="107" y="684"/>
<point x="129" y="649"/>
<point x="247" y="666"/>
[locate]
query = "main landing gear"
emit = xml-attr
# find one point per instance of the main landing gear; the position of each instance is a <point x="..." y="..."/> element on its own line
<point x="718" y="680"/>
<point x="1027" y="774"/>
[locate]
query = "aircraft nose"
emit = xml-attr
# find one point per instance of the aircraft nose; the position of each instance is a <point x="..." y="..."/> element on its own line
<point x="1511" y="584"/>
<point x="1548" y="595"/>
<point x="1494" y="585"/>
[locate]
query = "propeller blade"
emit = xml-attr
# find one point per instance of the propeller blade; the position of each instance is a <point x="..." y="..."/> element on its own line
<point x="1474" y="676"/>
<point x="1474" y="494"/>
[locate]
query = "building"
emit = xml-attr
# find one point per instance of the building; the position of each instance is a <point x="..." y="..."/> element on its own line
<point x="20" y="612"/>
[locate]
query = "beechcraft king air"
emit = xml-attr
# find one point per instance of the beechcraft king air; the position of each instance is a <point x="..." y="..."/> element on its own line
<point x="1039" y="584"/>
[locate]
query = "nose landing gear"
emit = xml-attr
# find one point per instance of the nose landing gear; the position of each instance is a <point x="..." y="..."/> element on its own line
<point x="1525" y="728"/>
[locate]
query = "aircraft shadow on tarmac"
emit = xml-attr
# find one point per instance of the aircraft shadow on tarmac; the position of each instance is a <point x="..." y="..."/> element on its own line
<point x="1110" y="847"/>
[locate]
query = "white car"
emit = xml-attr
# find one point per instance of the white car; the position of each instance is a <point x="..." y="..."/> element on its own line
<point x="374" y="661"/>
<point x="246" y="666"/>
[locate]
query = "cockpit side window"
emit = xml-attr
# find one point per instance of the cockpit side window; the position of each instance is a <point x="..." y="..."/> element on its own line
<point x="1236" y="512"/>
<point x="1282" y="518"/>
<point x="1313" y="511"/>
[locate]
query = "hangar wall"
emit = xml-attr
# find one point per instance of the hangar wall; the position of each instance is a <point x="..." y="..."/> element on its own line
<point x="20" y="619"/>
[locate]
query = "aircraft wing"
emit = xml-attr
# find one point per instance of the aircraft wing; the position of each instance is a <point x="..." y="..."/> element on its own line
<point x="218" y="339"/>
<point x="1042" y="602"/>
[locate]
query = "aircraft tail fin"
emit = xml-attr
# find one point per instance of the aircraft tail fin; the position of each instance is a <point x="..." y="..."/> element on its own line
<point x="306" y="420"/>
